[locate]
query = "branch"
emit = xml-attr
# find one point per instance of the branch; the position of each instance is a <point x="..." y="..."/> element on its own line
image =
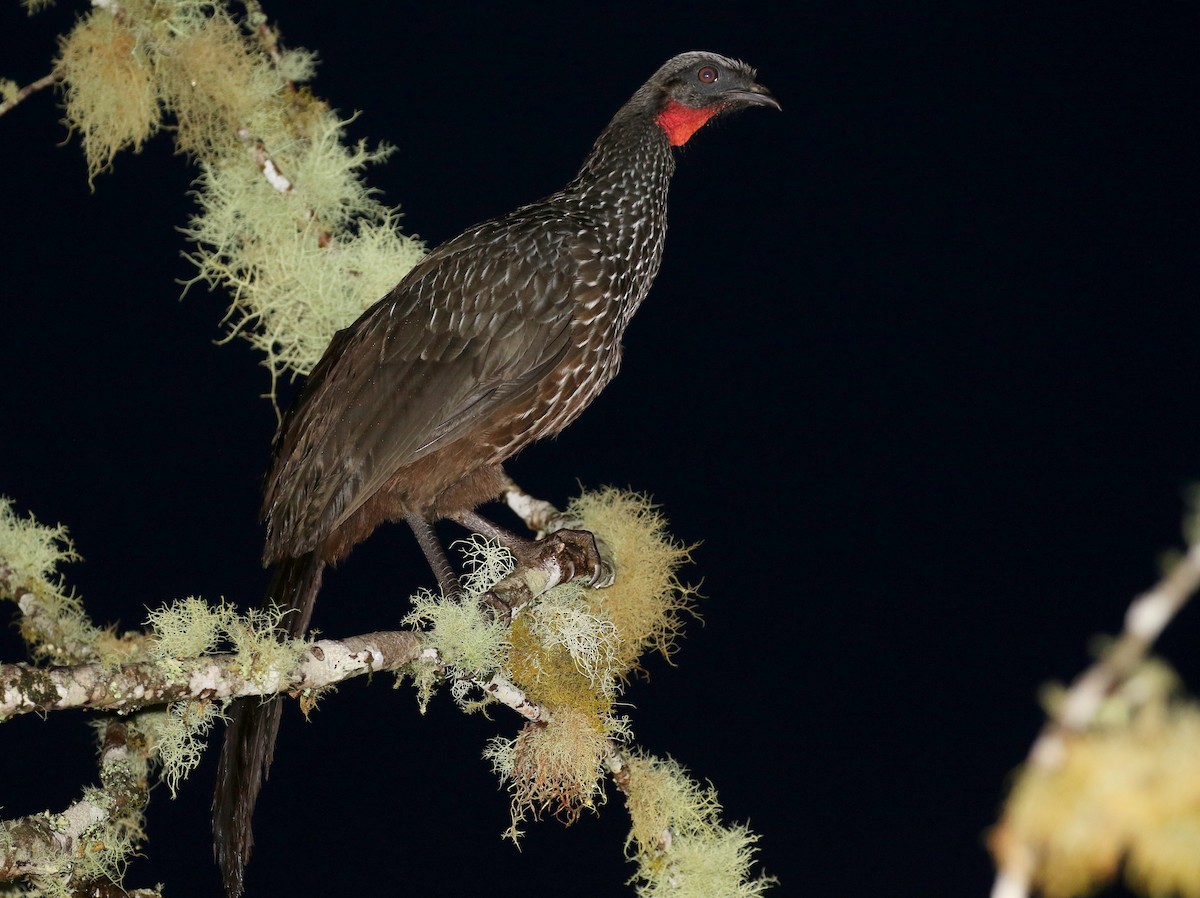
<point x="83" y="848"/>
<point x="128" y="687"/>
<point x="28" y="90"/>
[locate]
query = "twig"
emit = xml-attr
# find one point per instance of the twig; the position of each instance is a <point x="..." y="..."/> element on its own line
<point x="509" y="694"/>
<point x="30" y="89"/>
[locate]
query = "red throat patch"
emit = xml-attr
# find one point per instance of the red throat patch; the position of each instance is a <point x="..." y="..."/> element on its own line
<point x="681" y="122"/>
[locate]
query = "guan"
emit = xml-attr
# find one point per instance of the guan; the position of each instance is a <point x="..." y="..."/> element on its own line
<point x="497" y="338"/>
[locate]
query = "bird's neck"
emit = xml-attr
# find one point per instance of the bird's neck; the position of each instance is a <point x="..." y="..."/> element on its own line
<point x="622" y="189"/>
<point x="630" y="163"/>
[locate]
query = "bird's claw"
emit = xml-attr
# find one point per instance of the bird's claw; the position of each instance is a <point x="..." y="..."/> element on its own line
<point x="581" y="553"/>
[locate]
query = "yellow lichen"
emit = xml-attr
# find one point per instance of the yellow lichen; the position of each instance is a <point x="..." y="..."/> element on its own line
<point x="111" y="95"/>
<point x="551" y="677"/>
<point x="647" y="600"/>
<point x="551" y="767"/>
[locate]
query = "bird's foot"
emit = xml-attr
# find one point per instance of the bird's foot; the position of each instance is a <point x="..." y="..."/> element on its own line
<point x="565" y="551"/>
<point x="575" y="553"/>
<point x="541" y="516"/>
<point x="596" y="556"/>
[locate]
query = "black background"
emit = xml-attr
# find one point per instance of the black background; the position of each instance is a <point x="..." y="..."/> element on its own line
<point x="920" y="370"/>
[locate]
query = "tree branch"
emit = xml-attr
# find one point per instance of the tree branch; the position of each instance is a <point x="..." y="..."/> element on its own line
<point x="128" y="687"/>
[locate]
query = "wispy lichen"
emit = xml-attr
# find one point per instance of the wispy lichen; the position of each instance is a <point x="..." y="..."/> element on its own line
<point x="187" y="629"/>
<point x="112" y="99"/>
<point x="554" y="767"/>
<point x="54" y="624"/>
<point x="177" y="737"/>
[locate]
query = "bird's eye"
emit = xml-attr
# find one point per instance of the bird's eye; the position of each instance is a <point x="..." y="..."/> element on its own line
<point x="707" y="75"/>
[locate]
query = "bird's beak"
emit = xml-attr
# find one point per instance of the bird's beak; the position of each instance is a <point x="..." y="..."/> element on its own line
<point x="754" y="95"/>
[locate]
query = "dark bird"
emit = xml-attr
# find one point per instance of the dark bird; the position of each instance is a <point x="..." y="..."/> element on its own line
<point x="496" y="339"/>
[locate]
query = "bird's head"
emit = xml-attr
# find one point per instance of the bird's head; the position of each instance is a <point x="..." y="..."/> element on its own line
<point x="693" y="87"/>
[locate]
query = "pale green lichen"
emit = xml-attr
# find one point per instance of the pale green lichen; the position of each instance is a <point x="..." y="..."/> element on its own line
<point x="648" y="600"/>
<point x="304" y="264"/>
<point x="54" y="624"/>
<point x="255" y="636"/>
<point x="564" y="618"/>
<point x="470" y="644"/>
<point x="177" y="737"/>
<point x="286" y="223"/>
<point x="32" y="551"/>
<point x="187" y="629"/>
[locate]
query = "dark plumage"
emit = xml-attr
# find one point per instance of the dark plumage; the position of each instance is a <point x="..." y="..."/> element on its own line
<point x="496" y="339"/>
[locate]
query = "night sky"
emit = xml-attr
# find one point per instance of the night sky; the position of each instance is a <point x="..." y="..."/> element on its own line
<point x="920" y="371"/>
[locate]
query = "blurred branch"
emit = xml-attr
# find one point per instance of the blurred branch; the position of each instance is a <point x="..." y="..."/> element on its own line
<point x="1147" y="617"/>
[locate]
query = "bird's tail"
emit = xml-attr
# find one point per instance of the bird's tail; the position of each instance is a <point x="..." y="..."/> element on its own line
<point x="254" y="723"/>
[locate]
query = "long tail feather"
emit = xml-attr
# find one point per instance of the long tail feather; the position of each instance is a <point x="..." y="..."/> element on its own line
<point x="250" y="738"/>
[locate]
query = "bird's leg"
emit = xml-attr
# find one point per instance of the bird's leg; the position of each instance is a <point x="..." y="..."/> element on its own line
<point x="542" y="517"/>
<point x="435" y="555"/>
<point x="476" y="522"/>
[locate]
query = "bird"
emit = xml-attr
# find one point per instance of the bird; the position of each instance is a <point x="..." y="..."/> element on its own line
<point x="497" y="338"/>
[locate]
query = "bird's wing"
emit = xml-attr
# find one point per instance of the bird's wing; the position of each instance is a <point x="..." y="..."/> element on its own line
<point x="475" y="326"/>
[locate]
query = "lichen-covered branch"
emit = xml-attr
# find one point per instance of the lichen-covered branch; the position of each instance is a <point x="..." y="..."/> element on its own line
<point x="286" y="223"/>
<point x="27" y="687"/>
<point x="526" y="633"/>
<point x="83" y="849"/>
